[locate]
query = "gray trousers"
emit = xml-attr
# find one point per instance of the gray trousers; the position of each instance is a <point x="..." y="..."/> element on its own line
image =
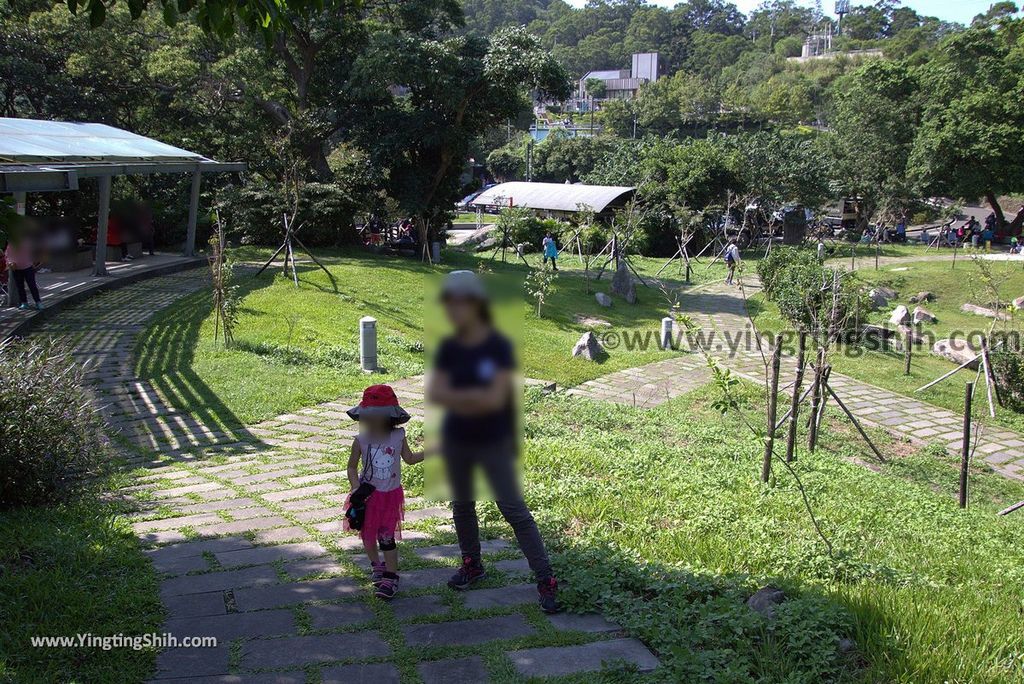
<point x="498" y="461"/>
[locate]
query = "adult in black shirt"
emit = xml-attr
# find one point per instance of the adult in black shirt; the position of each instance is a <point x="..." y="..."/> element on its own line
<point x="473" y="380"/>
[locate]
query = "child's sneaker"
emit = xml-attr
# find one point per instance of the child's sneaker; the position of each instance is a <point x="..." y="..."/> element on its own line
<point x="470" y="572"/>
<point x="387" y="587"/>
<point x="377" y="572"/>
<point x="548" y="590"/>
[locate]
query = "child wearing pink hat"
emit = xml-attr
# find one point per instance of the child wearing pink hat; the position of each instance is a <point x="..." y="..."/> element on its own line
<point x="375" y="505"/>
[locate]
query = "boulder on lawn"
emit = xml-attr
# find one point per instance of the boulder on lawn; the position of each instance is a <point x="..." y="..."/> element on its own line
<point x="622" y="283"/>
<point x="487" y="243"/>
<point x="982" y="311"/>
<point x="588" y="347"/>
<point x="603" y="299"/>
<point x="923" y="316"/>
<point x="899" y="316"/>
<point x="765" y="599"/>
<point x="922" y="297"/>
<point x="1018" y="303"/>
<point x="881" y="296"/>
<point x="957" y="351"/>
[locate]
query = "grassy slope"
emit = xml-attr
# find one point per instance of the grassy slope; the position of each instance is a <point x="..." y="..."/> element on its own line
<point x="952" y="287"/>
<point x="69" y="570"/>
<point x="256" y="381"/>
<point x="663" y="523"/>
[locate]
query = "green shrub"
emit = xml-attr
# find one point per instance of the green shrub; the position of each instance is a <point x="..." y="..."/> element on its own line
<point x="1008" y="368"/>
<point x="802" y="288"/>
<point x="326" y="213"/>
<point x="50" y="436"/>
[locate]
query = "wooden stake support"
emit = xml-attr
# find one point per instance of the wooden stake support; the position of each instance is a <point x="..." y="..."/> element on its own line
<point x="773" y="394"/>
<point x="965" y="448"/>
<point x="856" y="423"/>
<point x="795" y="402"/>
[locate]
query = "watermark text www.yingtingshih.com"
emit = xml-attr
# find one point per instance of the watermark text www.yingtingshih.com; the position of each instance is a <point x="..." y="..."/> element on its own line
<point x="732" y="342"/>
<point x="135" y="642"/>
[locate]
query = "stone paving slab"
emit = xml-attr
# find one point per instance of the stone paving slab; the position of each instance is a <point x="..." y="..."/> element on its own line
<point x="331" y="615"/>
<point x="374" y="673"/>
<point x="269" y="554"/>
<point x="405" y="608"/>
<point x="466" y="632"/>
<point x="296" y="592"/>
<point x="263" y="678"/>
<point x="500" y="597"/>
<point x="195" y="605"/>
<point x="591" y="623"/>
<point x="452" y="551"/>
<point x="469" y="670"/>
<point x="557" y="661"/>
<point x="302" y="650"/>
<point x="192" y="662"/>
<point x="218" y="581"/>
<point x="234" y="625"/>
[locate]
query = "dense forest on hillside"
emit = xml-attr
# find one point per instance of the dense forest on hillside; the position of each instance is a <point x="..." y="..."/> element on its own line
<point x="310" y="102"/>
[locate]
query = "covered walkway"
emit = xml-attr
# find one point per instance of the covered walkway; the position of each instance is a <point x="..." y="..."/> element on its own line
<point x="53" y="156"/>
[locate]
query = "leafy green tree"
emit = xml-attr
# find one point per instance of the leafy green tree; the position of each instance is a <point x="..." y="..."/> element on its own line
<point x="457" y="89"/>
<point x="971" y="140"/>
<point x="873" y="123"/>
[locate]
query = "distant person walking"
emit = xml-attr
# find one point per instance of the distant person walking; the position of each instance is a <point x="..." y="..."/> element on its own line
<point x="22" y="264"/>
<point x="550" y="250"/>
<point x="732" y="260"/>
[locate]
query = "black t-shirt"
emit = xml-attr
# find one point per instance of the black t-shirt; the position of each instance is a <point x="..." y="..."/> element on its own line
<point x="475" y="366"/>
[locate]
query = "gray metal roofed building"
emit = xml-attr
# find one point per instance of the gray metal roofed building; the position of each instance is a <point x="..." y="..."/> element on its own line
<point x="556" y="198"/>
<point x="51" y="156"/>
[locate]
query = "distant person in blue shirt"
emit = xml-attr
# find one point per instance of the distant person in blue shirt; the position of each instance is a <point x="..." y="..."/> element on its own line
<point x="987" y="236"/>
<point x="550" y="250"/>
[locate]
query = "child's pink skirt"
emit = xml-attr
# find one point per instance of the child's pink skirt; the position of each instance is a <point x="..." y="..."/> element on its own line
<point x="384" y="514"/>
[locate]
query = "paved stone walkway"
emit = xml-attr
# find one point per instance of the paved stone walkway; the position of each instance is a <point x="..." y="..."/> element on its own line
<point x="721" y="310"/>
<point x="244" y="528"/>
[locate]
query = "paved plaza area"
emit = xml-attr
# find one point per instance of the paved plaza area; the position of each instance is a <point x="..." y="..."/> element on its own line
<point x="244" y="527"/>
<point x="244" y="523"/>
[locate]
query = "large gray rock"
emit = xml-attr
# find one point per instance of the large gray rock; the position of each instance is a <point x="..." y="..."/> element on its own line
<point x="922" y="297"/>
<point x="881" y="296"/>
<point x="622" y="283"/>
<point x="588" y="347"/>
<point x="957" y="351"/>
<point x="899" y="316"/>
<point x="1018" y="303"/>
<point x="487" y="243"/>
<point x="923" y="316"/>
<point x="603" y="299"/>
<point x="982" y="311"/>
<point x="765" y="599"/>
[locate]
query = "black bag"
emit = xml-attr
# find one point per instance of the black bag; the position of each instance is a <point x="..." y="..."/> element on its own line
<point x="356" y="512"/>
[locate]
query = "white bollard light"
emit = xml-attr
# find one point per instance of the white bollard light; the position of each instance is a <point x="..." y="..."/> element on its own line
<point x="666" y="332"/>
<point x="368" y="343"/>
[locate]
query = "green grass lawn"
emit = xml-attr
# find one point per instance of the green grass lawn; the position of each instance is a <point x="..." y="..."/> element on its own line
<point x="296" y="347"/>
<point x="661" y="521"/>
<point x="952" y="287"/>
<point x="68" y="570"/>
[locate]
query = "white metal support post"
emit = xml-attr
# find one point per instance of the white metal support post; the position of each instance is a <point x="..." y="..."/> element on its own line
<point x="99" y="267"/>
<point x="193" y="215"/>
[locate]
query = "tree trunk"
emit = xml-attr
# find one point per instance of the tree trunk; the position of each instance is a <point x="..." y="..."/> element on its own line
<point x="1018" y="222"/>
<point x="990" y="197"/>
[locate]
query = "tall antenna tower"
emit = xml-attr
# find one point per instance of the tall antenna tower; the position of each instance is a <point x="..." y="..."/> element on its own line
<point x="842" y="9"/>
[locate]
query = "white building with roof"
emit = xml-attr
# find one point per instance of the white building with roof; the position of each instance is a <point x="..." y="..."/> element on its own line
<point x="622" y="84"/>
